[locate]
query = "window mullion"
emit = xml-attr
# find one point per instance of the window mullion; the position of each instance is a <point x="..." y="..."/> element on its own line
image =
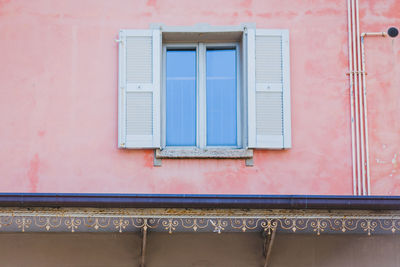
<point x="202" y="96"/>
<point x="163" y="101"/>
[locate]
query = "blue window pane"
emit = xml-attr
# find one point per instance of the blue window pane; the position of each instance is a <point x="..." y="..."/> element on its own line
<point x="181" y="98"/>
<point x="221" y="97"/>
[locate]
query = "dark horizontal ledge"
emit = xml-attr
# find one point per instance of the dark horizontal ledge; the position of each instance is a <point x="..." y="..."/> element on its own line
<point x="199" y="201"/>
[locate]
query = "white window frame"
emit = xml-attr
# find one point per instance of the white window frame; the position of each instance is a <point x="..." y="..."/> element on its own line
<point x="201" y="90"/>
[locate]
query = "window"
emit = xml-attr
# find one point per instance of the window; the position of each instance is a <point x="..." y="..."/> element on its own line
<point x="221" y="97"/>
<point x="181" y="97"/>
<point x="202" y="88"/>
<point x="201" y="96"/>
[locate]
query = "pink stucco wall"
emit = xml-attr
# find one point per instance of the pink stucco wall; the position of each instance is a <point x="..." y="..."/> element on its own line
<point x="58" y="99"/>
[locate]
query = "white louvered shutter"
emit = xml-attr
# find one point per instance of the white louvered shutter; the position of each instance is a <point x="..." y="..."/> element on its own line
<point x="268" y="89"/>
<point x="139" y="89"/>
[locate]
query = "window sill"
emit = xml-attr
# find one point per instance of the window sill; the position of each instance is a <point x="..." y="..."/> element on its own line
<point x="213" y="153"/>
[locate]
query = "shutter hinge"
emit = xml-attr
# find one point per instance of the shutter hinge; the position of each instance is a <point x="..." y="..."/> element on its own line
<point x="120" y="41"/>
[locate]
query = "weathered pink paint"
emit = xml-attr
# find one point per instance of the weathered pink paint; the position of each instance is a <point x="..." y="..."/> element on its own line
<point x="58" y="99"/>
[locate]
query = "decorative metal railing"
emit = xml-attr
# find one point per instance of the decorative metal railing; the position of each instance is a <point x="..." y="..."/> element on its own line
<point x="177" y="220"/>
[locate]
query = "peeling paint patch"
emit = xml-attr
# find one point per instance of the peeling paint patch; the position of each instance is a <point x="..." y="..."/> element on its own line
<point x="380" y="161"/>
<point x="249" y="13"/>
<point x="246" y="3"/>
<point x="148" y="157"/>
<point x="394" y="160"/>
<point x="33" y="172"/>
<point x="264" y="15"/>
<point x="288" y="15"/>
<point x="324" y="12"/>
<point x="151" y="3"/>
<point x="4" y="2"/>
<point x="41" y="133"/>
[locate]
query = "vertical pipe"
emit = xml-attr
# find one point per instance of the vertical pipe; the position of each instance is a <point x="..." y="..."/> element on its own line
<point x="356" y="98"/>
<point x="360" y="96"/>
<point x="364" y="85"/>
<point x="144" y="242"/>
<point x="269" y="248"/>
<point x="353" y="149"/>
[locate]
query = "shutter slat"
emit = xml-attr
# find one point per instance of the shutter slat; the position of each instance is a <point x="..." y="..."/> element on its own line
<point x="139" y="63"/>
<point x="268" y="59"/>
<point x="269" y="115"/>
<point x="139" y="113"/>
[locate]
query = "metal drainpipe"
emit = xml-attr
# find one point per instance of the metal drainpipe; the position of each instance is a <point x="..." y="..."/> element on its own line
<point x="364" y="88"/>
<point x="353" y="145"/>
<point x="356" y="108"/>
<point x="361" y="101"/>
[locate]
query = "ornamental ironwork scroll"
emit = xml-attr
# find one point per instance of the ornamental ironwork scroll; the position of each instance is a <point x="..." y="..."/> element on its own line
<point x="218" y="221"/>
